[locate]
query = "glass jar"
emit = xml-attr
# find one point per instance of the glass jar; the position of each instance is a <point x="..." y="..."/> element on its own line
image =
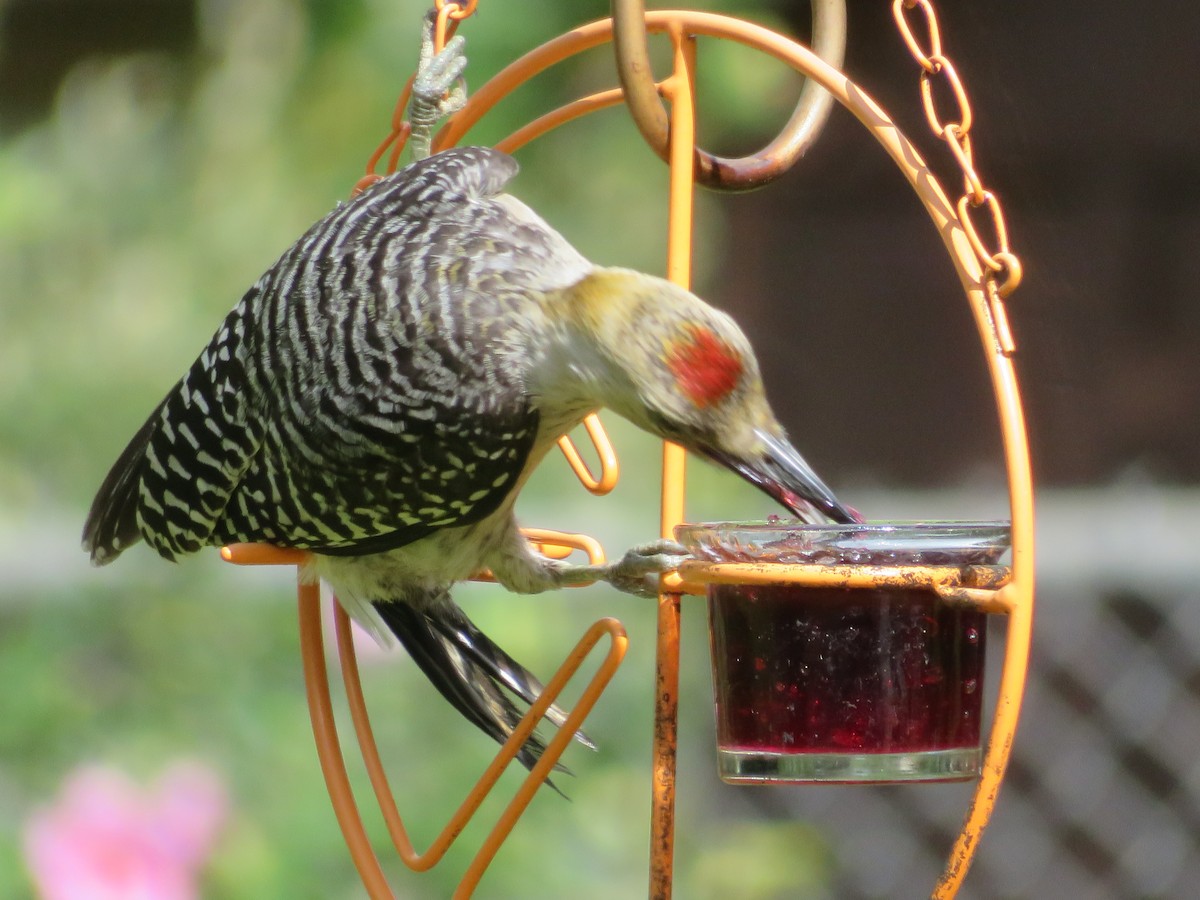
<point x="818" y="683"/>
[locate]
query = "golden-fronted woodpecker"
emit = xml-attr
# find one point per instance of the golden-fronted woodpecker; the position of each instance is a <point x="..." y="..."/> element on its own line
<point x="382" y="393"/>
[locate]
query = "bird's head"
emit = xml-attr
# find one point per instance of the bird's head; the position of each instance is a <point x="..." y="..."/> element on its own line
<point x="684" y="371"/>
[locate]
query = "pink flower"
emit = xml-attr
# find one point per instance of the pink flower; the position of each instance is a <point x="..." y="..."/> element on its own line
<point x="105" y="838"/>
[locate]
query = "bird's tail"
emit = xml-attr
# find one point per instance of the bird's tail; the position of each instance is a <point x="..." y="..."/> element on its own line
<point x="471" y="671"/>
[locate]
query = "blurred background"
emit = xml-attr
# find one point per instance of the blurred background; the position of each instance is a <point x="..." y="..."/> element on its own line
<point x="157" y="155"/>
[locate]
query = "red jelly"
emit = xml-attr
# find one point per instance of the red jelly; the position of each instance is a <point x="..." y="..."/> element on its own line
<point x="833" y="684"/>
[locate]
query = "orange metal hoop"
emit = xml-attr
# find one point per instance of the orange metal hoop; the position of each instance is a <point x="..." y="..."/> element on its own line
<point x="985" y="300"/>
<point x="977" y="268"/>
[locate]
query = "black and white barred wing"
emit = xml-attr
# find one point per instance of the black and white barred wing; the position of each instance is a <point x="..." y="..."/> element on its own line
<point x="172" y="482"/>
<point x="366" y="391"/>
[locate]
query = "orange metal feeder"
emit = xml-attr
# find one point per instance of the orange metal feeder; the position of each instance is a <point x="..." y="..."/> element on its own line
<point x="987" y="275"/>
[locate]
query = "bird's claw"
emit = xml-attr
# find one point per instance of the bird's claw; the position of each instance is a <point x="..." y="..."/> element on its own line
<point x="638" y="571"/>
<point x="438" y="83"/>
<point x="438" y="88"/>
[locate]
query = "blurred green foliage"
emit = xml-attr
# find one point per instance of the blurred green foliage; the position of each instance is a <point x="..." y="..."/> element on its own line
<point x="130" y="221"/>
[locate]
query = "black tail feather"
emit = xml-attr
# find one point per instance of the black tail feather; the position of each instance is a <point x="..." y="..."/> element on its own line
<point x="500" y="666"/>
<point x="471" y="672"/>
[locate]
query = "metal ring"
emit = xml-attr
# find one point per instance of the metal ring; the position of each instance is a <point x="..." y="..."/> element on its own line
<point x="721" y="173"/>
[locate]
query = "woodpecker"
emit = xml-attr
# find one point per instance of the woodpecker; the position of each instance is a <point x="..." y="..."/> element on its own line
<point x="382" y="393"/>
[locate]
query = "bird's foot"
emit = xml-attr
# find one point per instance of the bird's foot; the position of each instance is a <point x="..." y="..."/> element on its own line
<point x="638" y="571"/>
<point x="438" y="88"/>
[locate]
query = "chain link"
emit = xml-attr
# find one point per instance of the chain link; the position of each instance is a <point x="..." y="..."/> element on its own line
<point x="943" y="68"/>
<point x="449" y="14"/>
<point x="1001" y="265"/>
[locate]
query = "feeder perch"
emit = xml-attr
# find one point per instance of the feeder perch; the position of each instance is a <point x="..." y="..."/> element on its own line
<point x="955" y="592"/>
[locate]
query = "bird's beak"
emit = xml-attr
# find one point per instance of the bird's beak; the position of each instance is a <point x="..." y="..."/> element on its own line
<point x="781" y="472"/>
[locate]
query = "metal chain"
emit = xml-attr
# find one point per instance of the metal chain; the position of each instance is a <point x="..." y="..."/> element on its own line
<point x="1002" y="267"/>
<point x="448" y="14"/>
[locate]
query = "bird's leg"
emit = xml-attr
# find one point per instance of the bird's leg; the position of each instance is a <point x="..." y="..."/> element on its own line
<point x="438" y="88"/>
<point x="637" y="572"/>
<point x="525" y="572"/>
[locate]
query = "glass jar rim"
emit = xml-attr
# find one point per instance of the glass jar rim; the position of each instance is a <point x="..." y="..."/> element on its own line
<point x="917" y="542"/>
<point x="916" y="526"/>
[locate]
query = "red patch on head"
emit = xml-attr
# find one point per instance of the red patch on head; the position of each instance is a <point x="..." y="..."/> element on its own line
<point x="705" y="367"/>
